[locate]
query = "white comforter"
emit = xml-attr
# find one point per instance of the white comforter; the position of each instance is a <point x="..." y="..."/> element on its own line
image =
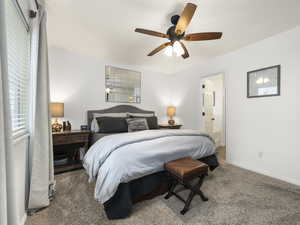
<point x="120" y="158"/>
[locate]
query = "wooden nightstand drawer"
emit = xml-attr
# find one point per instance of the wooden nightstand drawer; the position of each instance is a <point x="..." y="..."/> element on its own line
<point x="167" y="126"/>
<point x="59" y="140"/>
<point x="71" y="138"/>
<point x="80" y="138"/>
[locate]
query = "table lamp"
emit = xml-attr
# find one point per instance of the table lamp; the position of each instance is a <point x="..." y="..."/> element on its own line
<point x="171" y="111"/>
<point x="57" y="110"/>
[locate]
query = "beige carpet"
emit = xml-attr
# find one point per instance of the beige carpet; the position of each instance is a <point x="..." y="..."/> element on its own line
<point x="236" y="196"/>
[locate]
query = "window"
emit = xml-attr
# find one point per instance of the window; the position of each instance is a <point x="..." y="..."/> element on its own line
<point x="18" y="59"/>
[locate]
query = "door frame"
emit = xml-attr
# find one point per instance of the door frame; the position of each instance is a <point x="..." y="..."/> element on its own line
<point x="225" y="130"/>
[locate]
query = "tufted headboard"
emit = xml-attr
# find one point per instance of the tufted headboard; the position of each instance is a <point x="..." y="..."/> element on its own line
<point x="116" y="109"/>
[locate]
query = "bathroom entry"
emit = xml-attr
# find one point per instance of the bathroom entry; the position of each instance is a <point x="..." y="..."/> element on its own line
<point x="213" y="108"/>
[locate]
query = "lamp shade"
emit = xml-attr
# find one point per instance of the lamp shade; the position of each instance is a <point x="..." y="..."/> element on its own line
<point x="171" y="111"/>
<point x="57" y="109"/>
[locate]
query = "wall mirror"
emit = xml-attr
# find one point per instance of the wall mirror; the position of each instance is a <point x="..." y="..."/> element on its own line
<point x="263" y="82"/>
<point x="122" y="85"/>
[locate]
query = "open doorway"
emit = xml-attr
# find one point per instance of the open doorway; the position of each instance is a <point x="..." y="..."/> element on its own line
<point x="213" y="110"/>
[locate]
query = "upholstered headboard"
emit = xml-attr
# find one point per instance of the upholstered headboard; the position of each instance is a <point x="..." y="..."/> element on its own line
<point x="116" y="109"/>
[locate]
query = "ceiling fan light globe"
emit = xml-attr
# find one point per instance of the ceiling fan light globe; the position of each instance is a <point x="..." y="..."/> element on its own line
<point x="179" y="53"/>
<point x="169" y="51"/>
<point x="178" y="48"/>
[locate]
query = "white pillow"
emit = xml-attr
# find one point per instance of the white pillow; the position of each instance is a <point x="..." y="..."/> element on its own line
<point x="94" y="125"/>
<point x="141" y="114"/>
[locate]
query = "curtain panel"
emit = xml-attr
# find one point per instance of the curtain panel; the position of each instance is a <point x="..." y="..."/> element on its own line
<point x="8" y="205"/>
<point x="3" y="146"/>
<point x="42" y="182"/>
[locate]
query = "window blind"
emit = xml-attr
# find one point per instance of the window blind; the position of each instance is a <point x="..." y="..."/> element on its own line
<point x="18" y="51"/>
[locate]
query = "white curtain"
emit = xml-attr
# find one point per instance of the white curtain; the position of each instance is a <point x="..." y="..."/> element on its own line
<point x="41" y="151"/>
<point x="8" y="204"/>
<point x="3" y="146"/>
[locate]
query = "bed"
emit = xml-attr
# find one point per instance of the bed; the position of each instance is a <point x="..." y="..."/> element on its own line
<point x="128" y="167"/>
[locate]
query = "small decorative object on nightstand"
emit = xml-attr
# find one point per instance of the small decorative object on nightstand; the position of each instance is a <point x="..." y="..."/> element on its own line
<point x="84" y="127"/>
<point x="167" y="126"/>
<point x="57" y="110"/>
<point x="69" y="148"/>
<point x="67" y="126"/>
<point x="171" y="111"/>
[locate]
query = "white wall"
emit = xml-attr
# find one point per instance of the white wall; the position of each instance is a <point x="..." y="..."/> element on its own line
<point x="79" y="82"/>
<point x="262" y="133"/>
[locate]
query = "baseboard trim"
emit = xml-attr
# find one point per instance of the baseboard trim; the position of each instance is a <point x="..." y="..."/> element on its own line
<point x="265" y="173"/>
<point x="23" y="220"/>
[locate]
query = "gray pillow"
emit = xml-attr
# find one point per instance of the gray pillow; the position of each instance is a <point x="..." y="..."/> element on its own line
<point x="137" y="124"/>
<point x="111" y="124"/>
<point x="151" y="121"/>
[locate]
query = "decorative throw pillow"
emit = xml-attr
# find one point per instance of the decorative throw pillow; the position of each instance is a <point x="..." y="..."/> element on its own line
<point x="151" y="121"/>
<point x="137" y="124"/>
<point x="112" y="124"/>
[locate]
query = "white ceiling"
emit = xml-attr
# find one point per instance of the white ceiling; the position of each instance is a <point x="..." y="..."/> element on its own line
<point x="105" y="29"/>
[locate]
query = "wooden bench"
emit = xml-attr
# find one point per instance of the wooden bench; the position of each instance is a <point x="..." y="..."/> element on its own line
<point x="183" y="171"/>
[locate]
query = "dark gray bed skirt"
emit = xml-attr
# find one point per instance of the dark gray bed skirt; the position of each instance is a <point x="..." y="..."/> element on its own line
<point x="120" y="205"/>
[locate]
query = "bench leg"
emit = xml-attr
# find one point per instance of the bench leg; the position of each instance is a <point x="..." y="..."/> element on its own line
<point x="194" y="190"/>
<point x="203" y="197"/>
<point x="188" y="202"/>
<point x="197" y="187"/>
<point x="199" y="192"/>
<point x="171" y="190"/>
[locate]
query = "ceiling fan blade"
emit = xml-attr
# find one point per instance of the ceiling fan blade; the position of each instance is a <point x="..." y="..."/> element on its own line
<point x="161" y="47"/>
<point x="150" y="32"/>
<point x="203" y="36"/>
<point x="186" y="53"/>
<point x="185" y="18"/>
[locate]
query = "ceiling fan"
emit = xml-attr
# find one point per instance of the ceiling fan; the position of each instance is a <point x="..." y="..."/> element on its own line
<point x="176" y="33"/>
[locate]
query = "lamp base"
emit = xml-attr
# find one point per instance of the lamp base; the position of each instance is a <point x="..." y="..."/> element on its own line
<point x="171" y="122"/>
<point x="56" y="126"/>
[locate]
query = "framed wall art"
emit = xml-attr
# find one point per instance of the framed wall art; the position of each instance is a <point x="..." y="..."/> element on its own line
<point x="264" y="82"/>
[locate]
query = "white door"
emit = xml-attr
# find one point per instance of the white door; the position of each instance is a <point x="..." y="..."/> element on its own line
<point x="213" y="108"/>
<point x="208" y="111"/>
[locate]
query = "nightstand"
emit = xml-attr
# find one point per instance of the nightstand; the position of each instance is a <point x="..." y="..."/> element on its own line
<point x="167" y="126"/>
<point x="66" y="150"/>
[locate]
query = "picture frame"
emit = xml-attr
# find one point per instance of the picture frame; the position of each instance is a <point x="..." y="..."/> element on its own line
<point x="122" y="85"/>
<point x="264" y="82"/>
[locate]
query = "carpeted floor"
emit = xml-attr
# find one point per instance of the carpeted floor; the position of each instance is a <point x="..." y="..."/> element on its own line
<point x="236" y="196"/>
